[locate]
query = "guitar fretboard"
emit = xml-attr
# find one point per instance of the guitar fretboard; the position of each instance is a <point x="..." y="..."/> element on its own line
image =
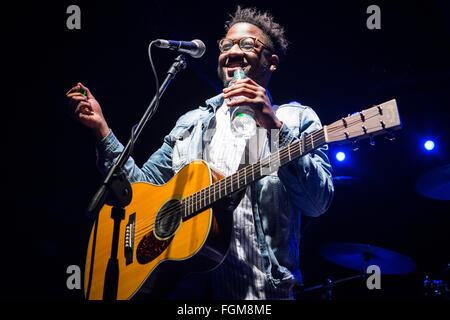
<point x="204" y="198"/>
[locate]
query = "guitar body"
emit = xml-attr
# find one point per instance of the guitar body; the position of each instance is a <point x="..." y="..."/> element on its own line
<point x="150" y="236"/>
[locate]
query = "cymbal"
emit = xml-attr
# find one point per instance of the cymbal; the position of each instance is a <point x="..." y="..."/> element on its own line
<point x="435" y="184"/>
<point x="357" y="256"/>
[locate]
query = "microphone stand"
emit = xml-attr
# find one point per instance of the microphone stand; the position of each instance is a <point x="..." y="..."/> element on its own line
<point x="116" y="190"/>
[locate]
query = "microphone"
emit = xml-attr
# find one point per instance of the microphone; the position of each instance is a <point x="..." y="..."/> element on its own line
<point x="195" y="48"/>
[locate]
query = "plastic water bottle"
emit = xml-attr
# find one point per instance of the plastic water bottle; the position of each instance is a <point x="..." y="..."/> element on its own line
<point x="242" y="117"/>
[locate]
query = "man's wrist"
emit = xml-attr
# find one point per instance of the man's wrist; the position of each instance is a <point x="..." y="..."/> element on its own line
<point x="275" y="124"/>
<point x="102" y="133"/>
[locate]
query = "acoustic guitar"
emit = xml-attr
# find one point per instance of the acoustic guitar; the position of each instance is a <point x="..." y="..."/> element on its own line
<point x="186" y="223"/>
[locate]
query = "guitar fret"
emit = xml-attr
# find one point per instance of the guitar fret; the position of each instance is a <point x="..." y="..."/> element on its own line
<point x="282" y="159"/>
<point x="306" y="145"/>
<point x="197" y="205"/>
<point x="188" y="205"/>
<point x="260" y="168"/>
<point x="300" y="146"/>
<point x="202" y="197"/>
<point x="186" y="201"/>
<point x="183" y="208"/>
<point x="239" y="177"/>
<point x="194" y="204"/>
<point x="278" y="162"/>
<point x="213" y="195"/>
<point x="225" y="184"/>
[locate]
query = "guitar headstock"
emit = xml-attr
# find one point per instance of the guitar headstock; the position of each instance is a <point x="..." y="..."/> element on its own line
<point x="380" y="119"/>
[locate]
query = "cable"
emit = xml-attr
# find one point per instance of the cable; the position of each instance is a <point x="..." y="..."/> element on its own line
<point x="155" y="107"/>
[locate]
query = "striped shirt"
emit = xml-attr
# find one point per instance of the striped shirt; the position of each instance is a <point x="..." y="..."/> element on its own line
<point x="241" y="275"/>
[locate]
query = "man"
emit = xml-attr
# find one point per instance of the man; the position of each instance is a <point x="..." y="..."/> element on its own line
<point x="263" y="259"/>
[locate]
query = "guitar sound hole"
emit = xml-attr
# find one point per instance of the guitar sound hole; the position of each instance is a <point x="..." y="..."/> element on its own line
<point x="168" y="219"/>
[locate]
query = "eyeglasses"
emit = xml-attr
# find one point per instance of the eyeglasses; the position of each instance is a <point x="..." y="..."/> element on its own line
<point x="246" y="44"/>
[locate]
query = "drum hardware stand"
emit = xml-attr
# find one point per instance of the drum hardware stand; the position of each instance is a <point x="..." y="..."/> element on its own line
<point x="329" y="285"/>
<point x="437" y="289"/>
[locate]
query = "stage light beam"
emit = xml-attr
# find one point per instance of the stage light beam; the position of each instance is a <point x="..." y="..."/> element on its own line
<point x="340" y="156"/>
<point x="429" y="145"/>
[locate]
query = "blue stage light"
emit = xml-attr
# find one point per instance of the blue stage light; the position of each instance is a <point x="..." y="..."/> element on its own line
<point x="340" y="156"/>
<point x="429" y="145"/>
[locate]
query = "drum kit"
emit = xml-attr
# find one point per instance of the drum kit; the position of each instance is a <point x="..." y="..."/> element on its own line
<point x="361" y="257"/>
<point x="434" y="184"/>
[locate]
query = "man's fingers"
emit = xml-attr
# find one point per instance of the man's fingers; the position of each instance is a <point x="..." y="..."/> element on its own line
<point x="81" y="89"/>
<point x="77" y="96"/>
<point x="242" y="91"/>
<point x="84" y="107"/>
<point x="242" y="85"/>
<point x="88" y="92"/>
<point x="72" y="90"/>
<point x="242" y="100"/>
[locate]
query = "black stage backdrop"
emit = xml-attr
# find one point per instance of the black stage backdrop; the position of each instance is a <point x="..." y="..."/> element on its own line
<point x="335" y="64"/>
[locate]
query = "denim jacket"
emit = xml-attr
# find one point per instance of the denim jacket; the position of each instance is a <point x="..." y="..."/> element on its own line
<point x="303" y="185"/>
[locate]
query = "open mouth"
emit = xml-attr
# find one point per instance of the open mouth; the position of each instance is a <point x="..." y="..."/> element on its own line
<point x="231" y="67"/>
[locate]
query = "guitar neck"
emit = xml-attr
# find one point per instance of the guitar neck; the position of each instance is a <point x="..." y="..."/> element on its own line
<point x="204" y="198"/>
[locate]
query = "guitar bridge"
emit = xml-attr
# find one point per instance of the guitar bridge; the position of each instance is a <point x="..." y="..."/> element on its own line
<point x="129" y="239"/>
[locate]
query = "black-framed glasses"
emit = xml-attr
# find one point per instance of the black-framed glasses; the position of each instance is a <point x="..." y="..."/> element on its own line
<point x="246" y="44"/>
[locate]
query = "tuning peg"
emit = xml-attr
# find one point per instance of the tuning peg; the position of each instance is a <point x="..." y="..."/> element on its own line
<point x="390" y="136"/>
<point x="355" y="145"/>
<point x="371" y="141"/>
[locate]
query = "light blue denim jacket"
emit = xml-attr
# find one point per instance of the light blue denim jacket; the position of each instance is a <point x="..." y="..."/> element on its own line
<point x="304" y="185"/>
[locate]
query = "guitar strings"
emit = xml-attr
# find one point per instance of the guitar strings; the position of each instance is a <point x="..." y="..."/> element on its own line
<point x="192" y="203"/>
<point x="202" y="194"/>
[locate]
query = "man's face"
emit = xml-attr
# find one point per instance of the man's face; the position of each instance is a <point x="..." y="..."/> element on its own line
<point x="256" y="63"/>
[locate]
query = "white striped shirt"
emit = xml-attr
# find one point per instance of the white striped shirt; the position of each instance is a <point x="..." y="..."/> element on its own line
<point x="241" y="275"/>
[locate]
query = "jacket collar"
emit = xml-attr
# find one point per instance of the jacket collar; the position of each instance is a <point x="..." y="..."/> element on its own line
<point x="214" y="102"/>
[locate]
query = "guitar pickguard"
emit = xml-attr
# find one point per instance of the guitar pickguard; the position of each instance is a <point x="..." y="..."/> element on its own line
<point x="150" y="247"/>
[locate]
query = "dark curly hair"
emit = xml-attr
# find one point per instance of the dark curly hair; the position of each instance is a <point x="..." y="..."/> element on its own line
<point x="264" y="21"/>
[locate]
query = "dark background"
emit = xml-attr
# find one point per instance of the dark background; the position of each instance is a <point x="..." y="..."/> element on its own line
<point x="335" y="64"/>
